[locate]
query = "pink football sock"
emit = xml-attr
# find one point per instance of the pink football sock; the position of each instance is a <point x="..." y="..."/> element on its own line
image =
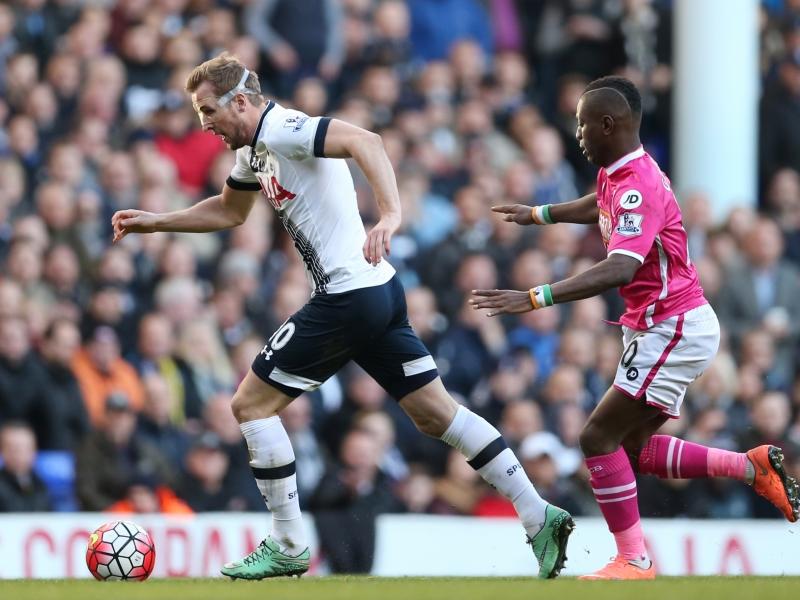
<point x="614" y="487"/>
<point x="723" y="463"/>
<point x="672" y="458"/>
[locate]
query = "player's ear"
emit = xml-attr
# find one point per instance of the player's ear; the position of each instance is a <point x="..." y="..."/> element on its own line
<point x="608" y="124"/>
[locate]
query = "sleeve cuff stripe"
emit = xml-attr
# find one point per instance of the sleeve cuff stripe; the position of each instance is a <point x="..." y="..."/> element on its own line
<point x="319" y="137"/>
<point x="250" y="186"/>
<point x="638" y="257"/>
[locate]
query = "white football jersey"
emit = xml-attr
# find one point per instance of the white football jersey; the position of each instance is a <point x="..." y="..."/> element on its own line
<point x="314" y="197"/>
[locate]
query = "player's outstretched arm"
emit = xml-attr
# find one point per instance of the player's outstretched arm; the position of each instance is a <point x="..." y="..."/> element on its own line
<point x="614" y="271"/>
<point x="344" y="140"/>
<point x="224" y="211"/>
<point x="582" y="210"/>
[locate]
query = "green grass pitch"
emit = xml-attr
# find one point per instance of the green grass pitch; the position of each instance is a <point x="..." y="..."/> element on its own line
<point x="411" y="588"/>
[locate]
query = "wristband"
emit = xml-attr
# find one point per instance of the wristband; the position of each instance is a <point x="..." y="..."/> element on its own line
<point x="541" y="296"/>
<point x="541" y="215"/>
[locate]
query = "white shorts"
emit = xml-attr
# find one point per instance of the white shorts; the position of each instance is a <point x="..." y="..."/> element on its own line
<point x="658" y="364"/>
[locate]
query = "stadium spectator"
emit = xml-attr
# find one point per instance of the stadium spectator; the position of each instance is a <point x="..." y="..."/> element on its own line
<point x="23" y="382"/>
<point x="203" y="486"/>
<point x="218" y="419"/>
<point x="548" y="463"/>
<point x="21" y="489"/>
<point x="299" y="37"/>
<point x="418" y="491"/>
<point x="156" y="423"/>
<point x="101" y="371"/>
<point x="380" y="426"/>
<point x="346" y="502"/>
<point x="432" y="37"/>
<point x="458" y="490"/>
<point x="113" y="459"/>
<point x="780" y="121"/>
<point x="520" y="419"/>
<point x="191" y="150"/>
<point x="764" y="292"/>
<point x="155" y="355"/>
<point x="146" y="495"/>
<point x="62" y="339"/>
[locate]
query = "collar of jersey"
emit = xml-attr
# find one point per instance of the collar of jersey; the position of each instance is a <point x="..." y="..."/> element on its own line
<point x="270" y="104"/>
<point x="624" y="160"/>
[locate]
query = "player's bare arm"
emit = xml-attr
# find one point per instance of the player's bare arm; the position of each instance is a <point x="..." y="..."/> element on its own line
<point x="583" y="210"/>
<point x="614" y="271"/>
<point x="226" y="210"/>
<point x="344" y="140"/>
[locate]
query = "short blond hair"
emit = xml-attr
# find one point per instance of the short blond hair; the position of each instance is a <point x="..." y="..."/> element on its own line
<point x="223" y="73"/>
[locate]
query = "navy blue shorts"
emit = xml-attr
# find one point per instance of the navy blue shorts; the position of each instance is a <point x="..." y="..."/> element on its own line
<point x="368" y="325"/>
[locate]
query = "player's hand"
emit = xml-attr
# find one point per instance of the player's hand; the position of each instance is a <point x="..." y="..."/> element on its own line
<point x="132" y="221"/>
<point x="515" y="213"/>
<point x="379" y="239"/>
<point x="501" y="302"/>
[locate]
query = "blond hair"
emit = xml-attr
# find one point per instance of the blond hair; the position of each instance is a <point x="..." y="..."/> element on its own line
<point x="223" y="73"/>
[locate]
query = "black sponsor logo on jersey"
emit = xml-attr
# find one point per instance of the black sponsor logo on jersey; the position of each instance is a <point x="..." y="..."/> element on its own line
<point x="632" y="373"/>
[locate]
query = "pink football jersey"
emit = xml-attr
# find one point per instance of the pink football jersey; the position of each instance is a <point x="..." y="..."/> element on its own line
<point x="640" y="217"/>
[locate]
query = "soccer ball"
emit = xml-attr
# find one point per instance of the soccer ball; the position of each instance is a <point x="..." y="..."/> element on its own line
<point x="120" y="550"/>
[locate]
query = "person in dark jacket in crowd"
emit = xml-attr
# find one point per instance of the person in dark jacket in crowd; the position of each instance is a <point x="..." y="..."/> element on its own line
<point x="21" y="490"/>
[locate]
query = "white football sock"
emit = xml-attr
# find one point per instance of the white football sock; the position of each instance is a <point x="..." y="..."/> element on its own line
<point x="487" y="453"/>
<point x="272" y="462"/>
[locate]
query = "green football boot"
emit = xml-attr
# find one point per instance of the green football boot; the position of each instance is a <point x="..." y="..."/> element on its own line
<point x="267" y="560"/>
<point x="550" y="544"/>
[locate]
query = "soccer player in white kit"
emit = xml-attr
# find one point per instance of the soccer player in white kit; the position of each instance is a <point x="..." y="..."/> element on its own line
<point x="357" y="310"/>
<point x="670" y="332"/>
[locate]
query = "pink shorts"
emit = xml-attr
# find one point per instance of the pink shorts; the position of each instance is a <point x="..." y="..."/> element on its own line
<point x="658" y="364"/>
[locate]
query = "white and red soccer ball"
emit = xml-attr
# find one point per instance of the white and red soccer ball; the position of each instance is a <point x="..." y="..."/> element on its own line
<point x="120" y="550"/>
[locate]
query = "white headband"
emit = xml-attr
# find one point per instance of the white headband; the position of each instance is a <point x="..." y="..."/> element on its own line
<point x="239" y="88"/>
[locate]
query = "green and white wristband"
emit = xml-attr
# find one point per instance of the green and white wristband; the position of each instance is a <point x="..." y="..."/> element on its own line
<point x="541" y="296"/>
<point x="541" y="215"/>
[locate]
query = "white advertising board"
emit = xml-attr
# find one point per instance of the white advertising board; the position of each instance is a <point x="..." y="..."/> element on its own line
<point x="51" y="545"/>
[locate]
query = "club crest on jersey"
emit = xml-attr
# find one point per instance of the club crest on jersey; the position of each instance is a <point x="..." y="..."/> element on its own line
<point x="630" y="224"/>
<point x="605" y="226"/>
<point x="257" y="164"/>
<point x="630" y="199"/>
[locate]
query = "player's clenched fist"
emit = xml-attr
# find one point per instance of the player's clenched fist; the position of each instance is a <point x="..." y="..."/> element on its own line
<point x="132" y="221"/>
<point x="515" y="213"/>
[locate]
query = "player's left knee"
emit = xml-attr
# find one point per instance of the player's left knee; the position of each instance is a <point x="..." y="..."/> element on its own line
<point x="594" y="441"/>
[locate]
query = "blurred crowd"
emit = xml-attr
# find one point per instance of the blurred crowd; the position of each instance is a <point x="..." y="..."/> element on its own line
<point x="117" y="363"/>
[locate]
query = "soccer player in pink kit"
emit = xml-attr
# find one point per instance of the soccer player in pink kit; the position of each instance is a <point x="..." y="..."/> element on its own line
<point x="670" y="332"/>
